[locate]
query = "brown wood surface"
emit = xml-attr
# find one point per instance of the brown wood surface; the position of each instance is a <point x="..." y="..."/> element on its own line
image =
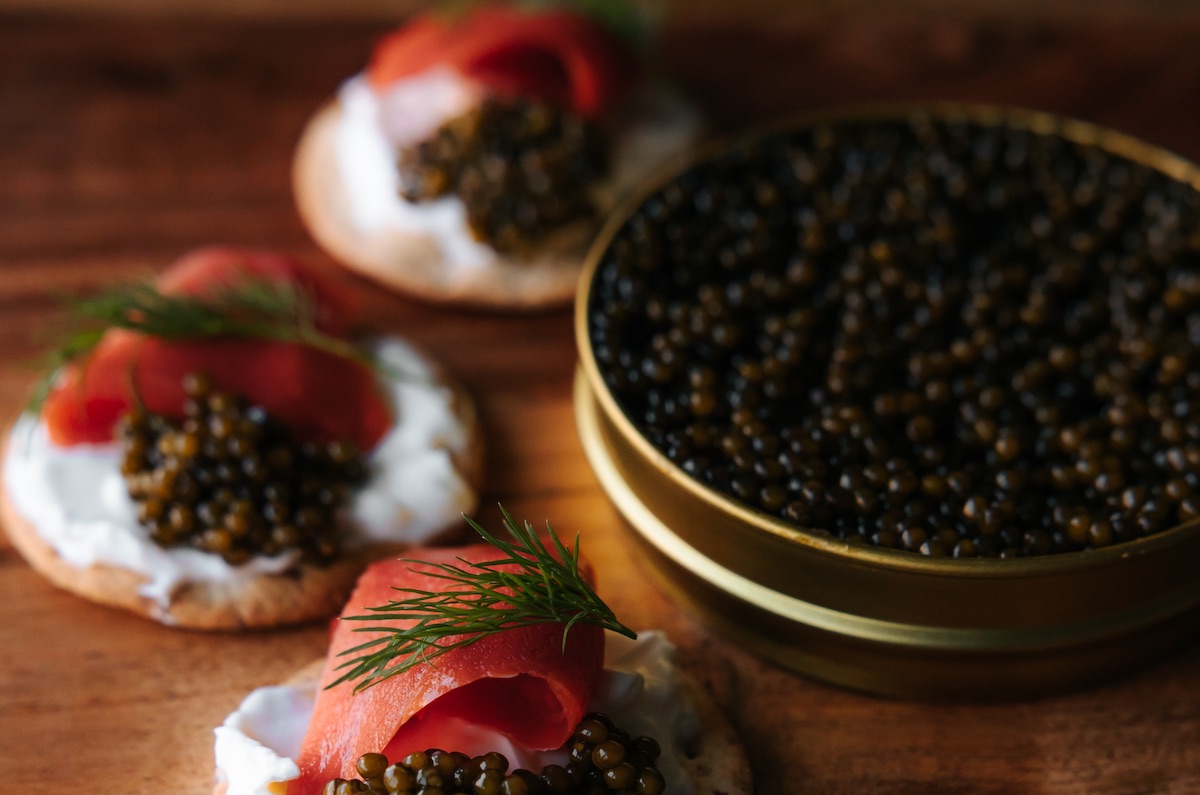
<point x="707" y="10"/>
<point x="124" y="144"/>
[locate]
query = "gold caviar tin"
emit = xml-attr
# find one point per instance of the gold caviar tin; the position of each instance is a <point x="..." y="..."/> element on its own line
<point x="882" y="621"/>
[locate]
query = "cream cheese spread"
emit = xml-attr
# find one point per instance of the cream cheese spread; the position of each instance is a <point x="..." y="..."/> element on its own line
<point x="77" y="500"/>
<point x="640" y="689"/>
<point x="370" y="129"/>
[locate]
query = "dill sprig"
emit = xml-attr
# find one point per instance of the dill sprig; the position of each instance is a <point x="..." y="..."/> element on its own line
<point x="253" y="307"/>
<point x="543" y="587"/>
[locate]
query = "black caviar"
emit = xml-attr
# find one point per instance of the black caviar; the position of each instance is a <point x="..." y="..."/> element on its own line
<point x="603" y="760"/>
<point x="939" y="336"/>
<point x="521" y="168"/>
<point x="229" y="479"/>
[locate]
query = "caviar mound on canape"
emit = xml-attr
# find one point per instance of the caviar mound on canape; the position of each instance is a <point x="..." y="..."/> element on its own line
<point x="492" y="667"/>
<point x="472" y="159"/>
<point x="215" y="449"/>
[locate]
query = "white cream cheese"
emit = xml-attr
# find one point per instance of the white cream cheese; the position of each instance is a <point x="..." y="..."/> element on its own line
<point x="643" y="694"/>
<point x="77" y="500"/>
<point x="373" y="125"/>
<point x="365" y="150"/>
<point x="257" y="745"/>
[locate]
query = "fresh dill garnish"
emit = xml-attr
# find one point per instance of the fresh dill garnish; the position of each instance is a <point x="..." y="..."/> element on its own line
<point x="529" y="585"/>
<point x="252" y="307"/>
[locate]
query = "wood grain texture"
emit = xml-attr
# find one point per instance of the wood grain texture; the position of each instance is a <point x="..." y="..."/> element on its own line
<point x="709" y="11"/>
<point x="122" y="145"/>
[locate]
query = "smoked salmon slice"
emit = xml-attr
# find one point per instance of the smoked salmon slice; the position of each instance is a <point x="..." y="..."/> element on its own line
<point x="552" y="55"/>
<point x="323" y="397"/>
<point x="521" y="682"/>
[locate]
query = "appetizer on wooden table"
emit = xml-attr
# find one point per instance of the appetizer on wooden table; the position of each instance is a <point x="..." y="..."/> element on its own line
<point x="484" y="670"/>
<point x="472" y="159"/>
<point x="215" y="450"/>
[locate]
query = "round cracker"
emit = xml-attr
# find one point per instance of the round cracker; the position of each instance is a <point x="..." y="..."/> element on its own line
<point x="413" y="262"/>
<point x="717" y="761"/>
<point x="304" y="593"/>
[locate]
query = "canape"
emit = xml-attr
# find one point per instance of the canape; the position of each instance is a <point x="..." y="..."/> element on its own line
<point x="215" y="450"/>
<point x="492" y="668"/>
<point x="471" y="160"/>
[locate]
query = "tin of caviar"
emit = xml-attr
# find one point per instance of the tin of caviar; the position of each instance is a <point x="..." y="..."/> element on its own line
<point x="904" y="398"/>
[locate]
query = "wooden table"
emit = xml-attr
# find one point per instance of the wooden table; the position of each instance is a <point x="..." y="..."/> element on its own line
<point x="123" y="145"/>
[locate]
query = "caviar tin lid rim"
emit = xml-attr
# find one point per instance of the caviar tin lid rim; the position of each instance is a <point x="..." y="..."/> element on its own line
<point x="896" y="633"/>
<point x="1086" y="133"/>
